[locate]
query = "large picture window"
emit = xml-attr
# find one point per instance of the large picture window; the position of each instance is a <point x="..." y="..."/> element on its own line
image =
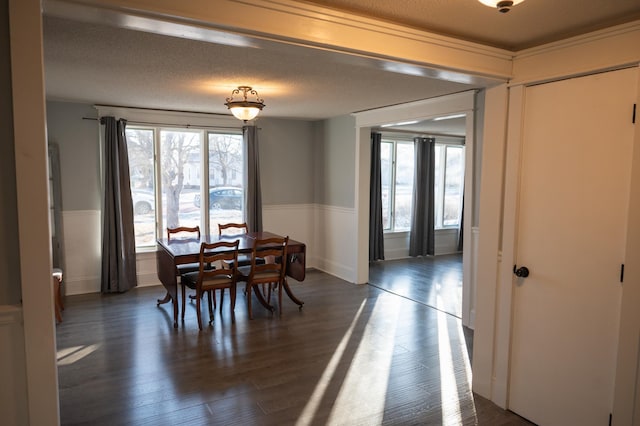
<point x="184" y="177"/>
<point x="397" y="170"/>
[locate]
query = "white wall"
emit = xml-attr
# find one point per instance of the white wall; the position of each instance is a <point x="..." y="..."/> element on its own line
<point x="396" y="244"/>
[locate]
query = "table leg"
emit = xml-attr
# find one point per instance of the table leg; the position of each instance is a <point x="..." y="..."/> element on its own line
<point x="261" y="299"/>
<point x="290" y="294"/>
<point x="167" y="298"/>
<point x="166" y="268"/>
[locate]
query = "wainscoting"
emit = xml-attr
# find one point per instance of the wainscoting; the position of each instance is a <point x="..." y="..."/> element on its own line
<point x="333" y="253"/>
<point x="82" y="248"/>
<point x="396" y="244"/>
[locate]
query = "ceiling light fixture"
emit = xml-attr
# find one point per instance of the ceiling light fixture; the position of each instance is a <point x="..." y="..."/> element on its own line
<point x="244" y="109"/>
<point x="503" y="6"/>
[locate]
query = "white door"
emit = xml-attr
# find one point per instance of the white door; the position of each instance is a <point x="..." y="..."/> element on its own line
<point x="573" y="200"/>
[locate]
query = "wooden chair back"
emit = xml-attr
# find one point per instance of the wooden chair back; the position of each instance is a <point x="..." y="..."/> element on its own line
<point x="268" y="259"/>
<point x="232" y="228"/>
<point x="224" y="256"/>
<point x="268" y="269"/>
<point x="183" y="229"/>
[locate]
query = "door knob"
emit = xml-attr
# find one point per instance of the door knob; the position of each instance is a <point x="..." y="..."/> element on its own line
<point x="522" y="272"/>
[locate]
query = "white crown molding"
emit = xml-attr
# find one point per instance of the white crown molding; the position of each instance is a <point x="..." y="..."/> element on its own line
<point x="607" y="33"/>
<point x="611" y="48"/>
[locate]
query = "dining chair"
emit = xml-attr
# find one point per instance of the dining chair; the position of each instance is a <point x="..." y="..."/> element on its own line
<point x="267" y="271"/>
<point x="182" y="232"/>
<point x="231" y="229"/>
<point x="224" y="254"/>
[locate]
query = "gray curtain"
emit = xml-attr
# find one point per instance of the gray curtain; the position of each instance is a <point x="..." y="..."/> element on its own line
<point x="376" y="229"/>
<point x="422" y="235"/>
<point x="253" y="194"/>
<point x="118" y="237"/>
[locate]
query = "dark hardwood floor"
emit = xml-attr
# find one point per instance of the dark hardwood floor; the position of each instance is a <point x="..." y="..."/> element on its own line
<point x="354" y="355"/>
<point x="434" y="281"/>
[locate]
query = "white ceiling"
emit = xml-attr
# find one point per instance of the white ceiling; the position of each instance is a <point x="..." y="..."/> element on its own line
<point x="101" y="64"/>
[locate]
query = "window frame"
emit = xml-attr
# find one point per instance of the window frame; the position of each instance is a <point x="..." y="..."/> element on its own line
<point x="204" y="208"/>
<point x="438" y="175"/>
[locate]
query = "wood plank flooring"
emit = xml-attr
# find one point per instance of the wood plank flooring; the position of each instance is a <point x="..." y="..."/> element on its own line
<point x="354" y="355"/>
<point x="434" y="281"/>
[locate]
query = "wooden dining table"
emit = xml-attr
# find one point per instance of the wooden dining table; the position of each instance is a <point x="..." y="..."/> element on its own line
<point x="174" y="252"/>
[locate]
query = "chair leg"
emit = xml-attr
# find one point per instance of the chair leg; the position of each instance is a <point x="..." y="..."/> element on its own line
<point x="210" y="294"/>
<point x="221" y="297"/>
<point x="249" y="297"/>
<point x="184" y="302"/>
<point x="280" y="298"/>
<point x="232" y="292"/>
<point x="198" y="298"/>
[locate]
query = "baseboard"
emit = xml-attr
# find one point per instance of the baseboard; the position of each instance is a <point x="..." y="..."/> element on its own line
<point x="81" y="285"/>
<point x="336" y="269"/>
<point x="148" y="280"/>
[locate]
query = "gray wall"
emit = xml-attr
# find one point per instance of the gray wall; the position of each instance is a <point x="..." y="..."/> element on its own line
<point x="286" y="161"/>
<point x="10" y="286"/>
<point x="336" y="162"/>
<point x="78" y="140"/>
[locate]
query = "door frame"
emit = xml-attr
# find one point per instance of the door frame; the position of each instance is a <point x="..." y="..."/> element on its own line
<point x="463" y="102"/>
<point x="493" y="382"/>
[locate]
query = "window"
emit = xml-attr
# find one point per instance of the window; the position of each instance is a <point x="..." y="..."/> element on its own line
<point x="397" y="170"/>
<point x="449" y="185"/>
<point x="171" y="170"/>
<point x="397" y="184"/>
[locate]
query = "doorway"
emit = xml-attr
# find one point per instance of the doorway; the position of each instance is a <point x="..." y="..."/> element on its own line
<point x="461" y="103"/>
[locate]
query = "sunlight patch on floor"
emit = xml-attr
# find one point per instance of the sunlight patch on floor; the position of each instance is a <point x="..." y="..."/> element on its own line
<point x="449" y="395"/>
<point x="310" y="409"/>
<point x="364" y="389"/>
<point x="76" y="353"/>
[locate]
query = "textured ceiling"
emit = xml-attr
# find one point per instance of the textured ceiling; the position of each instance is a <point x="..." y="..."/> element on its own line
<point x="528" y="24"/>
<point x="100" y="64"/>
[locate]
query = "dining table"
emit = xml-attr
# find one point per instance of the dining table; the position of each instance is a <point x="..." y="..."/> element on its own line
<point x="179" y="251"/>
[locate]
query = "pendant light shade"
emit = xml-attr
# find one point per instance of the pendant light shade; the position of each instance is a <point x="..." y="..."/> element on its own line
<point x="244" y="109"/>
<point x="503" y="6"/>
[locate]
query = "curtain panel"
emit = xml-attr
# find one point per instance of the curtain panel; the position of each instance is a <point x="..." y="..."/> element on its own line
<point x="422" y="235"/>
<point x="376" y="228"/>
<point x="253" y="192"/>
<point x="118" y="237"/>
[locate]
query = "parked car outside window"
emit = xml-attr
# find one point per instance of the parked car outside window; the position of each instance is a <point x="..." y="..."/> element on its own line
<point x="225" y="197"/>
<point x="143" y="201"/>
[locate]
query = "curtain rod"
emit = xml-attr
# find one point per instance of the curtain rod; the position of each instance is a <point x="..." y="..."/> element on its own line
<point x="161" y="110"/>
<point x="187" y="126"/>
<point x="384" y="130"/>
